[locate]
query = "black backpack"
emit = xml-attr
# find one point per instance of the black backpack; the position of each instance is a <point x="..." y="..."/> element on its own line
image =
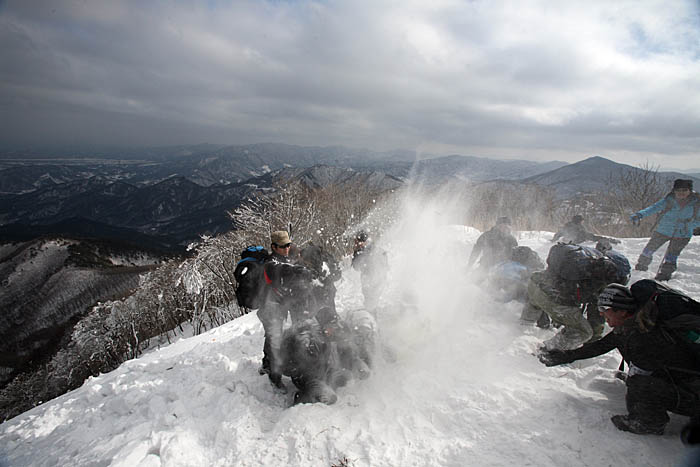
<point x="576" y="263"/>
<point x="622" y="264"/>
<point x="249" y="275"/>
<point x="672" y="310"/>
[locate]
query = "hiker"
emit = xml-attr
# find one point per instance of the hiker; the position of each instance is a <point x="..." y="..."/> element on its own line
<point x="493" y="246"/>
<point x="678" y="218"/>
<point x="325" y="353"/>
<point x="574" y="232"/>
<point x="325" y="271"/>
<point x="371" y="262"/>
<point x="622" y="276"/>
<point x="510" y="278"/>
<point x="561" y="294"/>
<point x="663" y="371"/>
<point x="288" y="290"/>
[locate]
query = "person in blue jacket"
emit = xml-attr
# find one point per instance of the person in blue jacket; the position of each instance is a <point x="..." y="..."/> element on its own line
<point x="678" y="218"/>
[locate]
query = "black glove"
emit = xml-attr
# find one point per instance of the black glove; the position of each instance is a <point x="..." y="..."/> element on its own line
<point x="696" y="231"/>
<point x="635" y="218"/>
<point x="554" y="357"/>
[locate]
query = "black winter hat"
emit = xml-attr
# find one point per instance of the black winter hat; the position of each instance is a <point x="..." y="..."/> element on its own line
<point x="682" y="183"/>
<point x="577" y="219"/>
<point x="617" y="296"/>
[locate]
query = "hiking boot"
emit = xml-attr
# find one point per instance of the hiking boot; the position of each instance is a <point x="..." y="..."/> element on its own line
<point x="643" y="263"/>
<point x="544" y="321"/>
<point x="276" y="381"/>
<point x="263" y="370"/>
<point x="625" y="423"/>
<point x="662" y="276"/>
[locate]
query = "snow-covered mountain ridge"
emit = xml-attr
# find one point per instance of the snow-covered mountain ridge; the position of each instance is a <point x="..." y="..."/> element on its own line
<point x="464" y="389"/>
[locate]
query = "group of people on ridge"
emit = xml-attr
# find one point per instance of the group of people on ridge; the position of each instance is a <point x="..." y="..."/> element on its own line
<point x="319" y="351"/>
<point x="655" y="328"/>
<point x="580" y="288"/>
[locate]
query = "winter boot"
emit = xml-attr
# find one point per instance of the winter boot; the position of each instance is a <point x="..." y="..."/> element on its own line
<point x="665" y="271"/>
<point x="625" y="423"/>
<point x="544" y="321"/>
<point x="643" y="263"/>
<point x="276" y="380"/>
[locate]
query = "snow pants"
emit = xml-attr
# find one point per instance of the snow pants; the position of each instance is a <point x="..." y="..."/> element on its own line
<point x="669" y="263"/>
<point x="272" y="316"/>
<point x="649" y="399"/>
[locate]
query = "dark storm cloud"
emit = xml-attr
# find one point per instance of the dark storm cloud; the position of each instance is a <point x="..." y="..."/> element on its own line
<point x="506" y="79"/>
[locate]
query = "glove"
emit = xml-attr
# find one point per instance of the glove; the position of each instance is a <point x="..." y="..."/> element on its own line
<point x="635" y="218"/>
<point x="696" y="231"/>
<point x="554" y="357"/>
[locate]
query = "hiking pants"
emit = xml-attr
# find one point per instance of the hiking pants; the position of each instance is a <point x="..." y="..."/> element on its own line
<point x="670" y="260"/>
<point x="575" y="330"/>
<point x="649" y="398"/>
<point x="272" y="319"/>
<point x="532" y="313"/>
<point x="272" y="316"/>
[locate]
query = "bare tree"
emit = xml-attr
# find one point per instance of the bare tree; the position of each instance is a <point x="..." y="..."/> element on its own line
<point x="529" y="206"/>
<point x="629" y="191"/>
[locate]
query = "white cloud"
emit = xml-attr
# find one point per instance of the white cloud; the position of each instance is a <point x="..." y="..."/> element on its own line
<point x="565" y="77"/>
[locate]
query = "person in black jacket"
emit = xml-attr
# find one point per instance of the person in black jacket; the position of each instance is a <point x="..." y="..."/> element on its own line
<point x="493" y="246"/>
<point x="663" y="373"/>
<point x="325" y="271"/>
<point x="325" y="353"/>
<point x="372" y="263"/>
<point x="287" y="291"/>
<point x="574" y="232"/>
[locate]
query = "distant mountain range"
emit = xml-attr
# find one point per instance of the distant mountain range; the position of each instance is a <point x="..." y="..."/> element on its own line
<point x="208" y="165"/>
<point x="167" y="197"/>
<point x="165" y="215"/>
<point x="590" y="176"/>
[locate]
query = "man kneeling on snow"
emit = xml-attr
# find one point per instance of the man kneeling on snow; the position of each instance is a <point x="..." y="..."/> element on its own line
<point x="323" y="354"/>
<point x="663" y="374"/>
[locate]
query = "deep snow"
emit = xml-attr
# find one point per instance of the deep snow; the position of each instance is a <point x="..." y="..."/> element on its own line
<point x="464" y="387"/>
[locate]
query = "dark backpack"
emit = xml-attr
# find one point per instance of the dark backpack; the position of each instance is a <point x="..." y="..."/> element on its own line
<point x="622" y="265"/>
<point x="527" y="257"/>
<point x="672" y="310"/>
<point x="249" y="275"/>
<point x="576" y="263"/>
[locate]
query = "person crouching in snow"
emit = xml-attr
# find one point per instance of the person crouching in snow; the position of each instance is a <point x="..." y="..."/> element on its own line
<point x="325" y="353"/>
<point x="663" y="375"/>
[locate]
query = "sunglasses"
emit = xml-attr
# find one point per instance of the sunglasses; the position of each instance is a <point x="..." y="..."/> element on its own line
<point x="682" y="189"/>
<point x="286" y="245"/>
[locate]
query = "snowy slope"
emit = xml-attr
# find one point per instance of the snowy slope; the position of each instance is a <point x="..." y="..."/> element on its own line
<point x="464" y="387"/>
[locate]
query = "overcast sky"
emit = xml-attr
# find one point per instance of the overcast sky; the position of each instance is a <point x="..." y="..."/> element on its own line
<point x="540" y="80"/>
